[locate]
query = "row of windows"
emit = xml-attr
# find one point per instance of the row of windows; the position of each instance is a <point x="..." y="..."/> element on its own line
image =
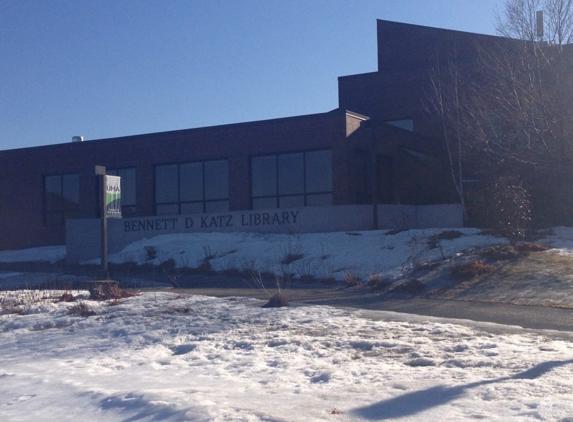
<point x="192" y="187"/>
<point x="279" y="180"/>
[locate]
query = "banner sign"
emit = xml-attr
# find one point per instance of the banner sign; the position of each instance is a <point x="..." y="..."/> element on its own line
<point x="113" y="196"/>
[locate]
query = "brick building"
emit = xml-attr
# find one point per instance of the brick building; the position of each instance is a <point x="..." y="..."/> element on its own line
<point x="313" y="160"/>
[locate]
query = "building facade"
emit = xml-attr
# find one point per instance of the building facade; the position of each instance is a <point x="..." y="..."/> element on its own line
<point x="380" y="139"/>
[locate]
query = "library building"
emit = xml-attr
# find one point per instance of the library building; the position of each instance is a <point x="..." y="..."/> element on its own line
<point x="376" y="161"/>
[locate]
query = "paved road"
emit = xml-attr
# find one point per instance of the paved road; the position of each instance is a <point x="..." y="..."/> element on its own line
<point x="531" y="317"/>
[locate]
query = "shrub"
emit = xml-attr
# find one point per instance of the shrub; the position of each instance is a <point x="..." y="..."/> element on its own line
<point x="505" y="208"/>
<point x="277" y="301"/>
<point x="352" y="279"/>
<point x="379" y="283"/>
<point x="205" y="267"/>
<point x="150" y="253"/>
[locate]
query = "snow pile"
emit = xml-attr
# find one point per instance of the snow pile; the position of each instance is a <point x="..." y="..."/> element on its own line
<point x="49" y="254"/>
<point x="320" y="255"/>
<point x="169" y="357"/>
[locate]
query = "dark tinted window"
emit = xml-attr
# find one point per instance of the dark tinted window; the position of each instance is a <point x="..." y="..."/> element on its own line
<point x="291" y="180"/>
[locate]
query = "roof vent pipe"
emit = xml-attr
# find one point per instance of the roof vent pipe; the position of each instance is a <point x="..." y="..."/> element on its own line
<point x="77" y="139"/>
<point x="539" y="22"/>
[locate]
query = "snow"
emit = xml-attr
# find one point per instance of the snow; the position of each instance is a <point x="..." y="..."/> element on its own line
<point x="324" y="255"/>
<point x="165" y="356"/>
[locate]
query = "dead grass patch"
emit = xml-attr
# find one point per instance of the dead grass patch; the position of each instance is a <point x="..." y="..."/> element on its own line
<point x="470" y="270"/>
<point x="505" y="252"/>
<point x="409" y="285"/>
<point x="81" y="309"/>
<point x="108" y="290"/>
<point x="352" y="279"/>
<point x="66" y="297"/>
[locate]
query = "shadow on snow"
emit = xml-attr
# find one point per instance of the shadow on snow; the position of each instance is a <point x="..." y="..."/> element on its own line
<point x="419" y="401"/>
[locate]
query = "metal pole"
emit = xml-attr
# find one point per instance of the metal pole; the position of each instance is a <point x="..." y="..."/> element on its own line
<point x="104" y="228"/>
<point x="101" y="170"/>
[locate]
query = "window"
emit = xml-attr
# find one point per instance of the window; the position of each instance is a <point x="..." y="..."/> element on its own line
<point x="291" y="180"/>
<point x="192" y="187"/>
<point x="406" y="124"/>
<point x="128" y="186"/>
<point x="61" y="198"/>
<point x="364" y="177"/>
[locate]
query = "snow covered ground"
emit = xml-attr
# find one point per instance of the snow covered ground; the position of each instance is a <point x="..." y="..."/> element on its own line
<point x="172" y="357"/>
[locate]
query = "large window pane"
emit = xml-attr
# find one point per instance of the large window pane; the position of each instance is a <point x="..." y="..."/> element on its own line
<point x="319" y="199"/>
<point x="291" y="174"/>
<point x="291" y="201"/>
<point x="169" y="209"/>
<point x="264" y="176"/>
<point x="192" y="207"/>
<point x="71" y="190"/>
<point x="217" y="206"/>
<point x="216" y="179"/>
<point x="166" y="184"/>
<point x="61" y="198"/>
<point x="292" y="180"/>
<point x="264" y="203"/>
<point x="191" y="182"/>
<point x="319" y="171"/>
<point x="128" y="185"/>
<point x="53" y="191"/>
<point x="192" y="187"/>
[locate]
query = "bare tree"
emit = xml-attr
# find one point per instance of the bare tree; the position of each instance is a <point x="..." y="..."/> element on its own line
<point x="445" y="101"/>
<point x="509" y="116"/>
<point x="520" y="21"/>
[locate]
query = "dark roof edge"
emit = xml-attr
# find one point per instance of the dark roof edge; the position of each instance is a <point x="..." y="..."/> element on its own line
<point x="171" y="133"/>
<point x="386" y="22"/>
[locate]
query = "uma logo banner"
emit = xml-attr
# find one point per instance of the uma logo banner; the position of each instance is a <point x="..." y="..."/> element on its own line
<point x="113" y="196"/>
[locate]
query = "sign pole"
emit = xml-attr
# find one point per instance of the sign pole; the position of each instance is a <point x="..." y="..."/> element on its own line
<point x="100" y="171"/>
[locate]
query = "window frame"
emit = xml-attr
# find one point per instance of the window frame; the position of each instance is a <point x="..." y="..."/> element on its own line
<point x="67" y="209"/>
<point x="179" y="206"/>
<point x="273" y="200"/>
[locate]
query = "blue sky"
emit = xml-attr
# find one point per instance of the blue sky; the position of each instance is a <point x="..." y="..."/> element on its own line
<point x="108" y="68"/>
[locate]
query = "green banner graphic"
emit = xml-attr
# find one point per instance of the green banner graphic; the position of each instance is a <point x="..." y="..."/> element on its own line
<point x="113" y="196"/>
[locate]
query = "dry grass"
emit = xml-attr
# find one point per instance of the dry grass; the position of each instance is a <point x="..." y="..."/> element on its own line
<point x="81" y="309"/>
<point x="108" y="291"/>
<point x="505" y="252"/>
<point x="352" y="278"/>
<point x="470" y="270"/>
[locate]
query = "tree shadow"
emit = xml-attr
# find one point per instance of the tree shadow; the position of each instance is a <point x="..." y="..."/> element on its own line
<point x="419" y="401"/>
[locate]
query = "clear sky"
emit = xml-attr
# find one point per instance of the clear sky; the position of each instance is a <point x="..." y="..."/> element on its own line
<point x="108" y="68"/>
